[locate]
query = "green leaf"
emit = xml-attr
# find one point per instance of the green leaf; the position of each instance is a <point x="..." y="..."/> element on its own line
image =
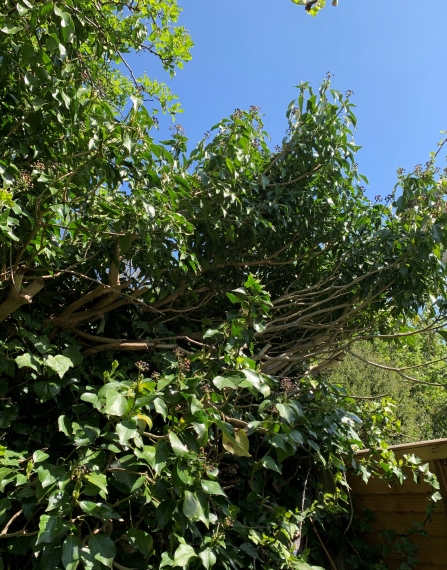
<point x="164" y="512"/>
<point x="46" y="390"/>
<point x="286" y="412"/>
<point x="98" y="479"/>
<point x="208" y="558"/>
<point x="126" y="430"/>
<point x="222" y="382"/>
<point x="178" y="447"/>
<point x="268" y="463"/>
<point x="250" y="549"/>
<point x="9" y="29"/>
<point x="71" y="552"/>
<point x="183" y="472"/>
<point x="436" y="497"/>
<point x="29" y="361"/>
<point x="60" y="364"/>
<point x="166" y="560"/>
<point x="258" y="381"/>
<point x="116" y="404"/>
<point x="237" y="445"/>
<point x="192" y="508"/>
<point x="50" y="528"/>
<point x="161" y="407"/>
<point x="183" y="555"/>
<point x="50" y="474"/>
<point x="92" y="399"/>
<point x="101" y="511"/>
<point x="102" y="548"/>
<point x="140" y="540"/>
<point x="39" y="456"/>
<point x="212" y="487"/>
<point x="74" y="355"/>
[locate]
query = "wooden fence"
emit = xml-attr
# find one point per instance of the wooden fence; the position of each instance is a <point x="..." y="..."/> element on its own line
<point x="397" y="507"/>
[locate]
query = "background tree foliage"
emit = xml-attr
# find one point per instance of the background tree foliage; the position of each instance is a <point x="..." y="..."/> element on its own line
<point x="169" y="318"/>
<point x="420" y="404"/>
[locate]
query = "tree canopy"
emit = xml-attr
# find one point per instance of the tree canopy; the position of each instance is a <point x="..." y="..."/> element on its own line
<point x="169" y="316"/>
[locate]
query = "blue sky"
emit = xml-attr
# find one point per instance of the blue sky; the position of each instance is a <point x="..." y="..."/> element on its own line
<point x="391" y="54"/>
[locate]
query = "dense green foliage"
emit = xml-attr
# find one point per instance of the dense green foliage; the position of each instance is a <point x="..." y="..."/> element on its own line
<point x="168" y="318"/>
<point x="312" y="7"/>
<point x="421" y="408"/>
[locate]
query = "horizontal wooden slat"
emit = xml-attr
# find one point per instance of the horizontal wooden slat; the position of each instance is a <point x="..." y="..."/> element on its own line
<point x="408" y="503"/>
<point x="402" y="522"/>
<point x="378" y="487"/>
<point x="395" y="564"/>
<point x="431" y="550"/>
<point x="426" y="450"/>
<point x="397" y="507"/>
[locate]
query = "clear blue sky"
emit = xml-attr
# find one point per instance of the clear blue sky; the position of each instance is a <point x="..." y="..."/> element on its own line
<point x="392" y="54"/>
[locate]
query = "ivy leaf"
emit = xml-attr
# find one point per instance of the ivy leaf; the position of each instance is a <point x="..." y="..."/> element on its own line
<point x="98" y="479"/>
<point x="268" y="463"/>
<point x="164" y="512"/>
<point x="208" y="558"/>
<point x="183" y="555"/>
<point x="161" y="407"/>
<point x="116" y="404"/>
<point x="126" y="430"/>
<point x="212" y="487"/>
<point x="71" y="552"/>
<point x="178" y="447"/>
<point x="140" y="540"/>
<point x="74" y="355"/>
<point x="46" y="390"/>
<point x="39" y="456"/>
<point x="192" y="509"/>
<point x="60" y="364"/>
<point x="65" y="425"/>
<point x="183" y="472"/>
<point x="50" y="528"/>
<point x="29" y="361"/>
<point x="286" y="412"/>
<point x="101" y="511"/>
<point x="237" y="445"/>
<point x="258" y="381"/>
<point x="102" y="548"/>
<point x="222" y="382"/>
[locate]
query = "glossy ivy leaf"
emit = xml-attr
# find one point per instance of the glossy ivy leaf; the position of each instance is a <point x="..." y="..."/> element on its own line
<point x="126" y="430"/>
<point x="28" y="360"/>
<point x="231" y="382"/>
<point x="178" y="447"/>
<point x="100" y="511"/>
<point x="140" y="540"/>
<point x="258" y="381"/>
<point x="161" y="407"/>
<point x="208" y="558"/>
<point x="99" y="480"/>
<point x="183" y="555"/>
<point x="39" y="456"/>
<point x="192" y="507"/>
<point x="59" y="363"/>
<point x="50" y="528"/>
<point x="71" y="552"/>
<point x="287" y="412"/>
<point x="46" y="390"/>
<point x="237" y="445"/>
<point x="116" y="404"/>
<point x="212" y="487"/>
<point x="269" y="463"/>
<point x="102" y="548"/>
